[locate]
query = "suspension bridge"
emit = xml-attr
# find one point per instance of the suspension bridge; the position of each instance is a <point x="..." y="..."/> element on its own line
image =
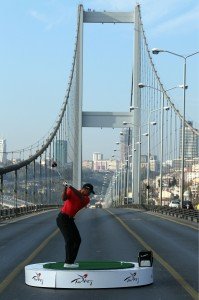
<point x="158" y="146"/>
<point x="158" y="149"/>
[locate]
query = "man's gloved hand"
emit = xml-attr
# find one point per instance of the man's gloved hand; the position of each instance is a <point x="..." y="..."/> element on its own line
<point x="65" y="183"/>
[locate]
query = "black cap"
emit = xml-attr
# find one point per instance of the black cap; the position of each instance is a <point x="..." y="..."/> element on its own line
<point x="88" y="186"/>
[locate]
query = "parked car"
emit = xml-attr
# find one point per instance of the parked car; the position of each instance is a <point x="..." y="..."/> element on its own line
<point x="174" y="203"/>
<point x="187" y="204"/>
<point x="98" y="205"/>
<point x="91" y="206"/>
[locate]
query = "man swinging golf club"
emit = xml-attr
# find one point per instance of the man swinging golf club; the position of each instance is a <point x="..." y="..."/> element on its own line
<point x="74" y="200"/>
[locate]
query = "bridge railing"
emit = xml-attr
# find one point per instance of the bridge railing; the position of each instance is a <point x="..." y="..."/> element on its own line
<point x="8" y="213"/>
<point x="186" y="214"/>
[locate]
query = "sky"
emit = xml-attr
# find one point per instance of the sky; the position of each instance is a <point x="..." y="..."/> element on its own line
<point x="37" y="44"/>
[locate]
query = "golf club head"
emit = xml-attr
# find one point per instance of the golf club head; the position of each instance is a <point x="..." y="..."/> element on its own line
<point x="54" y="164"/>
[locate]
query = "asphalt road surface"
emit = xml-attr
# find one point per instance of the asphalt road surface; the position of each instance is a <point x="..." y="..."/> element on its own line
<point x="113" y="234"/>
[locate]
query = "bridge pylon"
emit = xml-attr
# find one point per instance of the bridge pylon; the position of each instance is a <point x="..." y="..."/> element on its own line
<point x="107" y="119"/>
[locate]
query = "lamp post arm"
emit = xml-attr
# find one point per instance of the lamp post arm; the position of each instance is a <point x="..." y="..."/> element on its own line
<point x="179" y="55"/>
<point x="176" y="54"/>
<point x="191" y="54"/>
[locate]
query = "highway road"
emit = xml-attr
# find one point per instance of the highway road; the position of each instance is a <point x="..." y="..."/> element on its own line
<point x="113" y="234"/>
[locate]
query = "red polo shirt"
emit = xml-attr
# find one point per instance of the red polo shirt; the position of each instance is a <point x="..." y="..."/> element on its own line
<point x="73" y="203"/>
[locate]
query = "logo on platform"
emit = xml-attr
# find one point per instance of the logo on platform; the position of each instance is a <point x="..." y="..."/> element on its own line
<point x="38" y="278"/>
<point x="132" y="277"/>
<point x="83" y="279"/>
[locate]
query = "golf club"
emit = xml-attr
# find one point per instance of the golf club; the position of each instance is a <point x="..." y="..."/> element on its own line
<point x="54" y="166"/>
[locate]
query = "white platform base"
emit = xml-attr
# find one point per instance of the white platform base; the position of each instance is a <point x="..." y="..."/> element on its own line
<point x="38" y="276"/>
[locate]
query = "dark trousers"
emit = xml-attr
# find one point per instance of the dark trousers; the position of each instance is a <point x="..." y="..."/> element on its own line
<point x="71" y="236"/>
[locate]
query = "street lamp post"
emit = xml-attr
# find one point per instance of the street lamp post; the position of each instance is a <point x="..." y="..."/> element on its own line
<point x="128" y="174"/>
<point x="148" y="134"/>
<point x="157" y="51"/>
<point x="139" y="165"/>
<point x="127" y="163"/>
<point x="139" y="158"/>
<point x="141" y="85"/>
<point x="126" y="178"/>
<point x="121" y="174"/>
<point x="162" y="108"/>
<point x="132" y="167"/>
<point x="139" y="155"/>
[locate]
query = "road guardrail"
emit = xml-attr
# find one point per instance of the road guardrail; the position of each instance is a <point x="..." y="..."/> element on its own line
<point x="187" y="214"/>
<point x="8" y="213"/>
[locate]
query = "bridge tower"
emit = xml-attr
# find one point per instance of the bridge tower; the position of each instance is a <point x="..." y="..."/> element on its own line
<point x="107" y="119"/>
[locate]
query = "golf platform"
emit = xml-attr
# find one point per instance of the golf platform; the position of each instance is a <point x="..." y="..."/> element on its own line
<point x="89" y="275"/>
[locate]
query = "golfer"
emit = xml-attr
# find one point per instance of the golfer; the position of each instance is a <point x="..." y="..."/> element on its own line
<point x="74" y="200"/>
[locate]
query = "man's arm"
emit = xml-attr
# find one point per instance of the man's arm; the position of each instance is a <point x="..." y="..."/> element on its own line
<point x="64" y="194"/>
<point x="75" y="191"/>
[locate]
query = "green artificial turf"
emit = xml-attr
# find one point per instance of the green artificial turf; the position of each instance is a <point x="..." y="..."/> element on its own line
<point x="91" y="265"/>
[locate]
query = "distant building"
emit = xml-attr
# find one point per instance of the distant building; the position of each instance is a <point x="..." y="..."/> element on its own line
<point x="191" y="143"/>
<point x="191" y="176"/>
<point x="174" y="164"/>
<point x="87" y="164"/>
<point x="113" y="165"/>
<point x="47" y="161"/>
<point x="100" y="164"/>
<point x="154" y="164"/>
<point x="144" y="161"/>
<point x="3" y="155"/>
<point x="195" y="168"/>
<point x="97" y="156"/>
<point x="105" y="165"/>
<point x="61" y="152"/>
